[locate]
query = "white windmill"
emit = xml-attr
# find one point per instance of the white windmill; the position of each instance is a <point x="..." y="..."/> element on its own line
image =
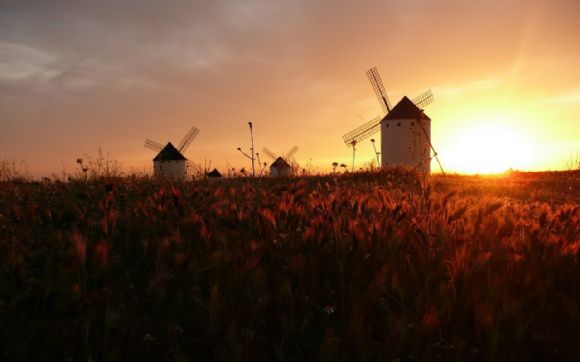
<point x="405" y="129"/>
<point x="280" y="166"/>
<point x="170" y="161"/>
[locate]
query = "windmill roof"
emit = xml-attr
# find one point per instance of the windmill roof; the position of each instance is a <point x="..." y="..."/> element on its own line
<point x="280" y="162"/>
<point x="214" y="173"/>
<point x="405" y="109"/>
<point x="169" y="153"/>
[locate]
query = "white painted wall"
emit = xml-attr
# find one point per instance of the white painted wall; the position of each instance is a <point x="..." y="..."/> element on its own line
<point x="403" y="143"/>
<point x="174" y="169"/>
<point x="280" y="171"/>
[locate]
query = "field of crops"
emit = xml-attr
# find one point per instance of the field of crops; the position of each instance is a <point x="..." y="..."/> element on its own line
<point x="367" y="266"/>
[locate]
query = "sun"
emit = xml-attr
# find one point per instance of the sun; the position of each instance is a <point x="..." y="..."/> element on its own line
<point x="487" y="148"/>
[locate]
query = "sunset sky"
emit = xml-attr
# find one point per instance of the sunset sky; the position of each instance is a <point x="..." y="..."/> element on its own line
<point x="76" y="76"/>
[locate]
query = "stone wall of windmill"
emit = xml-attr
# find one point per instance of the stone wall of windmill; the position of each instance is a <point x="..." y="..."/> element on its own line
<point x="405" y="141"/>
<point x="170" y="163"/>
<point x="172" y="169"/>
<point x="280" y="168"/>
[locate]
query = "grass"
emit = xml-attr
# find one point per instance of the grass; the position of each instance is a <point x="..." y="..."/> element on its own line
<point x="367" y="266"/>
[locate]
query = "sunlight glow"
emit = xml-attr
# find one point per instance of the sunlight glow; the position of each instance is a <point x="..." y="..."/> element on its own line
<point x="489" y="147"/>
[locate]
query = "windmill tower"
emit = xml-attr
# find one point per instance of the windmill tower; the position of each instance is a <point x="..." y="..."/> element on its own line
<point x="280" y="166"/>
<point x="170" y="161"/>
<point x="405" y="129"/>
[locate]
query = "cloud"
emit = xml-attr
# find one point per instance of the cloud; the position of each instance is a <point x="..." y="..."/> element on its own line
<point x="127" y="44"/>
<point x="457" y="90"/>
<point x="572" y="96"/>
<point x="20" y="62"/>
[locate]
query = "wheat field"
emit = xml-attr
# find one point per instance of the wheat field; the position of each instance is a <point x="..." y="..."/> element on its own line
<point x="363" y="267"/>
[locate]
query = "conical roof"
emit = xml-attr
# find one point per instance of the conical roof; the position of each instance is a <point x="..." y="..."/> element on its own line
<point x="280" y="162"/>
<point x="169" y="153"/>
<point x="405" y="109"/>
<point x="214" y="173"/>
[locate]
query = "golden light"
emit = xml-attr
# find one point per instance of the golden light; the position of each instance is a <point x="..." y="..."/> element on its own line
<point x="489" y="147"/>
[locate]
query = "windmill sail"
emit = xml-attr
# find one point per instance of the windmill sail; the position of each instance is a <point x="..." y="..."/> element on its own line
<point x="153" y="145"/>
<point x="291" y="153"/>
<point x="269" y="153"/>
<point x="195" y="167"/>
<point x="360" y="133"/>
<point x="379" y="89"/>
<point x="424" y="99"/>
<point x="187" y="139"/>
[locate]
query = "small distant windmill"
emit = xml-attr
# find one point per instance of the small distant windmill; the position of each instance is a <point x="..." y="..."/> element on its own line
<point x="280" y="166"/>
<point x="214" y="174"/>
<point x="405" y="129"/>
<point x="170" y="161"/>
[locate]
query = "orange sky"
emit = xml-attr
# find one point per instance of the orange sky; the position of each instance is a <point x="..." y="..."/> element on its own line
<point x="79" y="75"/>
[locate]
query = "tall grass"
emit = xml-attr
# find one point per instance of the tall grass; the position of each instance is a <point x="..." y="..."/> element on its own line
<point x="361" y="267"/>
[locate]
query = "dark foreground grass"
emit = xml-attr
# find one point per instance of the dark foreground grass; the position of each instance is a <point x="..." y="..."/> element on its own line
<point x="351" y="268"/>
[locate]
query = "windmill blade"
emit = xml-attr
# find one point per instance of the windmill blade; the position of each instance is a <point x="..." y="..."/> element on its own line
<point x="194" y="167"/>
<point x="366" y="130"/>
<point x="187" y="139"/>
<point x="269" y="153"/>
<point x="379" y="89"/>
<point x="424" y="99"/>
<point x="153" y="145"/>
<point x="291" y="153"/>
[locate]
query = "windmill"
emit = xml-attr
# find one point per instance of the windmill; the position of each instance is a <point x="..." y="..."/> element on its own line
<point x="280" y="166"/>
<point x="214" y="174"/>
<point x="405" y="129"/>
<point x="170" y="161"/>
